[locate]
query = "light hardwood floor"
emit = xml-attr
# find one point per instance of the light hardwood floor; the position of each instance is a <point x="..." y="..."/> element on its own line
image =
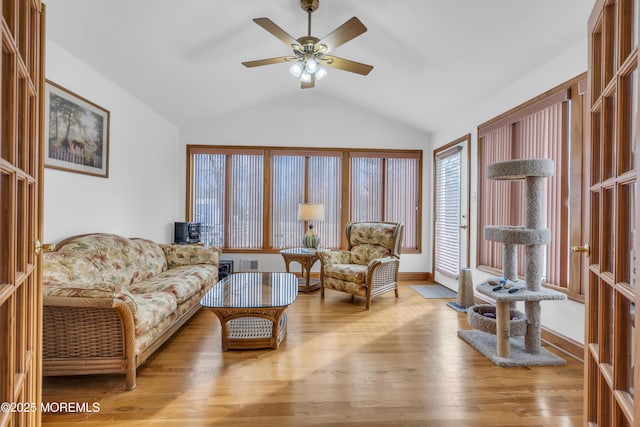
<point x="399" y="364"/>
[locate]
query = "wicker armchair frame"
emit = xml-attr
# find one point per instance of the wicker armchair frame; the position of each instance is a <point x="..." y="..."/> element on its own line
<point x="382" y="273"/>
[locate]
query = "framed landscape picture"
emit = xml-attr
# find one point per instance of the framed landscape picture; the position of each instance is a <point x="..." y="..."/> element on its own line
<point x="76" y="133"/>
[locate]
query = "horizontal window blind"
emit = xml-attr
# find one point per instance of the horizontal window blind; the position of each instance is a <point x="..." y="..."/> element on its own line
<point x="447" y="198"/>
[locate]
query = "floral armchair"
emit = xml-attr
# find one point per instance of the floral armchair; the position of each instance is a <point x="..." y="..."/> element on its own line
<point x="370" y="265"/>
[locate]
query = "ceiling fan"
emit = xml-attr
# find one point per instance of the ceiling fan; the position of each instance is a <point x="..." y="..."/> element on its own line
<point x="310" y="53"/>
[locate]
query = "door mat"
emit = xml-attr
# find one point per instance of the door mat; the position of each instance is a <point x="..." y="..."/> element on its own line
<point x="434" y="291"/>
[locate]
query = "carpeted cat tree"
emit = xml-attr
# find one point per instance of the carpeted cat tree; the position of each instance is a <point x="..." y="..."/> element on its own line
<point x="498" y="327"/>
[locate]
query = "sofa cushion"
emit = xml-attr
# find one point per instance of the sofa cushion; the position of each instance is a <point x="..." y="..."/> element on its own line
<point x="69" y="269"/>
<point x="150" y="259"/>
<point x="181" y="282"/>
<point x="179" y="255"/>
<point x="350" y="272"/>
<point x="153" y="308"/>
<point x="365" y="252"/>
<point x="335" y="257"/>
<point x="111" y="257"/>
<point x="376" y="233"/>
<point x="345" y="286"/>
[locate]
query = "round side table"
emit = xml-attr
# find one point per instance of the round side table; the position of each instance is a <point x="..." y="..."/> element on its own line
<point x="306" y="258"/>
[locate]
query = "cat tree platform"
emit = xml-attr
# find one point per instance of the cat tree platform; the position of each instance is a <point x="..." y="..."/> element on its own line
<point x="517" y="320"/>
<point x="499" y="344"/>
<point x="511" y="170"/>
<point x="515" y="235"/>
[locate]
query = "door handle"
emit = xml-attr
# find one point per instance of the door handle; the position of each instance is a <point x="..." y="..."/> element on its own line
<point x="584" y="249"/>
<point x="44" y="247"/>
<point x="463" y="226"/>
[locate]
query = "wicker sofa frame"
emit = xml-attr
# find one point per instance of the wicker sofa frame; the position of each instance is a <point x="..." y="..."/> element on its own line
<point x="97" y="335"/>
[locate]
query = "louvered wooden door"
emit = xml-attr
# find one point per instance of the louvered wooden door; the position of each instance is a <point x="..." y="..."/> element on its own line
<point x="20" y="168"/>
<point x="611" y="176"/>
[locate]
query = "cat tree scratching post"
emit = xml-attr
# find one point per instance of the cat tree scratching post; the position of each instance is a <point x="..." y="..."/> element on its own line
<point x="533" y="237"/>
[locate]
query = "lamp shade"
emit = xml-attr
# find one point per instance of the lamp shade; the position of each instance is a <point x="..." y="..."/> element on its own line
<point x="311" y="212"/>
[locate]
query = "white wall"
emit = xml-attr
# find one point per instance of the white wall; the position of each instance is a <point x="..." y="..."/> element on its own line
<point x="313" y="119"/>
<point x="566" y="317"/>
<point x="140" y="196"/>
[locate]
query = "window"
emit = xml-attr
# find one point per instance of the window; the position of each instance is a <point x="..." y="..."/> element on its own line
<point x="539" y="129"/>
<point x="312" y="177"/>
<point x="384" y="187"/>
<point x="247" y="197"/>
<point x="228" y="197"/>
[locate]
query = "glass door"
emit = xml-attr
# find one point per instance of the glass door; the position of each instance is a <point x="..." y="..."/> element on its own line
<point x="610" y="189"/>
<point x="451" y="211"/>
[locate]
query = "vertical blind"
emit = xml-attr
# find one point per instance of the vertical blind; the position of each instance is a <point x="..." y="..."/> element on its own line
<point x="247" y="193"/>
<point x="325" y="186"/>
<point x="447" y="239"/>
<point x="209" y="196"/>
<point x="401" y="197"/>
<point x="230" y="210"/>
<point x="287" y="191"/>
<point x="366" y="177"/>
<point x="538" y="135"/>
<point x="228" y="190"/>
<point x="320" y="175"/>
<point x="387" y="189"/>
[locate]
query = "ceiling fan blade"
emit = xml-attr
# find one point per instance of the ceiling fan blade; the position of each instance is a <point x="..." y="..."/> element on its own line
<point x="274" y="29"/>
<point x="347" y="65"/>
<point x="267" y="61"/>
<point x="309" y="84"/>
<point x="345" y="32"/>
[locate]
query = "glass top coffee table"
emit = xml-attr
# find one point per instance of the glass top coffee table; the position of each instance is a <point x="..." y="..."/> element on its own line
<point x="251" y="308"/>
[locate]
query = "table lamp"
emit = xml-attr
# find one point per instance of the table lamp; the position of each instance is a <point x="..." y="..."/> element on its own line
<point x="311" y="212"/>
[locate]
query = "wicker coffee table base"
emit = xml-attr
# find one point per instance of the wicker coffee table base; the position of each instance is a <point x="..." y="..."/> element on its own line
<point x="252" y="328"/>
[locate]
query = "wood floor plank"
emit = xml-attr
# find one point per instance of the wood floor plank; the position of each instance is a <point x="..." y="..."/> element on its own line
<point x="398" y="364"/>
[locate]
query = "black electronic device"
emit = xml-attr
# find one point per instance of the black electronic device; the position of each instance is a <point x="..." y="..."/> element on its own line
<point x="187" y="232"/>
<point x="225" y="268"/>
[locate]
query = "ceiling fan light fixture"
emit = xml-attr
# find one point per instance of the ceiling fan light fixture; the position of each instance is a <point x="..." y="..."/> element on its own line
<point x="305" y="76"/>
<point x="296" y="69"/>
<point x="321" y="72"/>
<point x="311" y="66"/>
<point x="310" y="53"/>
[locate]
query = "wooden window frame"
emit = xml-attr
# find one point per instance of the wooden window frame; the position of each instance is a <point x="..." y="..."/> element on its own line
<point x="269" y="151"/>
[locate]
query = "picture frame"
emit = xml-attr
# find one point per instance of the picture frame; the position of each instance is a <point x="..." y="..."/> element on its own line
<point x="76" y="133"/>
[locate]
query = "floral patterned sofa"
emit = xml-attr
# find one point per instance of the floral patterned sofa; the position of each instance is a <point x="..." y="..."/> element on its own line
<point x="110" y="301"/>
<point x="370" y="265"/>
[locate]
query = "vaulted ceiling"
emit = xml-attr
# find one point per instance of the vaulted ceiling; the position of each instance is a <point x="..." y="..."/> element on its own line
<point x="182" y="58"/>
